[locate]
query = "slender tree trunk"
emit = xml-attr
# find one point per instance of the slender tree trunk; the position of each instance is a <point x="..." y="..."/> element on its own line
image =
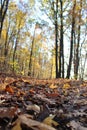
<point x="78" y="43"/>
<point x="74" y="59"/>
<point x="56" y="39"/>
<point x="16" y="44"/>
<point x="6" y="49"/>
<point x="71" y="42"/>
<point x="51" y="74"/>
<point x="3" y="10"/>
<point x="15" y="48"/>
<point x="83" y="67"/>
<point x="31" y="54"/>
<point x="61" y="42"/>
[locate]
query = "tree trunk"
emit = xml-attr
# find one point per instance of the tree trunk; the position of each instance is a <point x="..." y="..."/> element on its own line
<point x="76" y="64"/>
<point x="56" y="40"/>
<point x="3" y="10"/>
<point x="83" y="68"/>
<point x="31" y="54"/>
<point x="61" y="43"/>
<point x="15" y="48"/>
<point x="71" y="41"/>
<point x="6" y="49"/>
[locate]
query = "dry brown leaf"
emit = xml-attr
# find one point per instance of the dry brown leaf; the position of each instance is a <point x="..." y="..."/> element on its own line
<point x="9" y="89"/>
<point x="34" y="107"/>
<point x="1" y="101"/>
<point x="52" y="95"/>
<point x="8" y="112"/>
<point x="76" y="126"/>
<point x="32" y="91"/>
<point x="34" y="124"/>
<point x="9" y="80"/>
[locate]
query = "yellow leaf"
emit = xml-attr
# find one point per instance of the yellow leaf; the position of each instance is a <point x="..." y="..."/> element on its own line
<point x="49" y="121"/>
<point x="66" y="86"/>
<point x="53" y="86"/>
<point x="17" y="126"/>
<point x="2" y="86"/>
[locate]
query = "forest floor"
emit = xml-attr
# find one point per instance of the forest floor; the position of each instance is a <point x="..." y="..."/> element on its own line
<point x="33" y="104"/>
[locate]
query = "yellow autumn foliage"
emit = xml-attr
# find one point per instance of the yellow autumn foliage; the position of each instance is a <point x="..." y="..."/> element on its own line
<point x="20" y="19"/>
<point x="4" y="34"/>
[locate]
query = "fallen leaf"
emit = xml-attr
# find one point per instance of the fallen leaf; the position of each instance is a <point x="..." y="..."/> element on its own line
<point x="49" y="121"/>
<point x="35" y="125"/>
<point x="32" y="91"/>
<point x="8" y="112"/>
<point x="66" y="86"/>
<point x="52" y="95"/>
<point x="34" y="107"/>
<point x="9" y="89"/>
<point x="52" y="86"/>
<point x="17" y="126"/>
<point x="9" y="80"/>
<point x="2" y="86"/>
<point x="76" y="126"/>
<point x="1" y="101"/>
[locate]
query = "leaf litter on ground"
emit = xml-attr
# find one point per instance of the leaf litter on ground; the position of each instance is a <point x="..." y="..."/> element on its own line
<point x="36" y="104"/>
